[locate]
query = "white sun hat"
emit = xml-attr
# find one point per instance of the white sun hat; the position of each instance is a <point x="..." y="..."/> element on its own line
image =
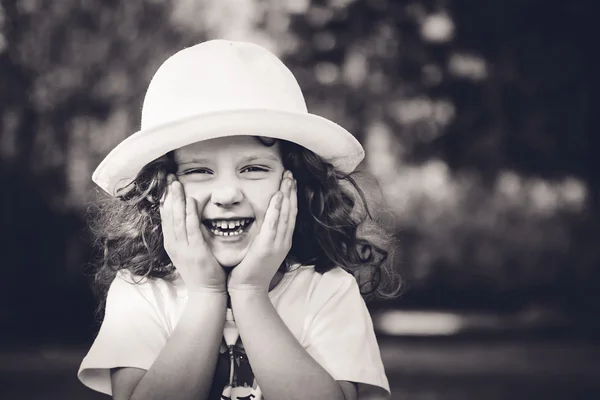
<point x="222" y="88"/>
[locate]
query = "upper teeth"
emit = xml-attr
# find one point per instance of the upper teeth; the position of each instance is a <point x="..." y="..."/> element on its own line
<point x="229" y="224"/>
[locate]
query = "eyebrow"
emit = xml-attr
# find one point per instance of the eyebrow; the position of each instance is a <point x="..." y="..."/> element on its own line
<point x="243" y="160"/>
<point x="262" y="157"/>
<point x="195" y="161"/>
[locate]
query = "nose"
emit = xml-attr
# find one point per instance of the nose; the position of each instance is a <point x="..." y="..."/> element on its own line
<point x="226" y="194"/>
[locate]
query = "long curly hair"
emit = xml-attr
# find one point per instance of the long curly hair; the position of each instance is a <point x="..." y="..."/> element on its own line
<point x="334" y="226"/>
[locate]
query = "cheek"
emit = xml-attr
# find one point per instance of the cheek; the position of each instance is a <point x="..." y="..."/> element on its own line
<point x="259" y="196"/>
<point x="196" y="191"/>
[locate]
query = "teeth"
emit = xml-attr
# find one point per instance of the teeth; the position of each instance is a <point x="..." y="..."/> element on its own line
<point x="219" y="227"/>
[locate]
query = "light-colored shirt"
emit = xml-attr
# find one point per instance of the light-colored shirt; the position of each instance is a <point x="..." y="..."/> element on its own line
<point x="325" y="312"/>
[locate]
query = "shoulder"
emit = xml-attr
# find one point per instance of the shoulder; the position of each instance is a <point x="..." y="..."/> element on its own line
<point x="125" y="277"/>
<point x="128" y="286"/>
<point x="304" y="294"/>
<point x="307" y="274"/>
<point x="320" y="288"/>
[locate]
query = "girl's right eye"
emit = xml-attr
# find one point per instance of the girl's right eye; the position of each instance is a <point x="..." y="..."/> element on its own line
<point x="195" y="171"/>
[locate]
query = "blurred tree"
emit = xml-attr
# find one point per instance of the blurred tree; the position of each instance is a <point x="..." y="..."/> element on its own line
<point x="73" y="74"/>
<point x="488" y="87"/>
<point x="485" y="86"/>
<point x="69" y="66"/>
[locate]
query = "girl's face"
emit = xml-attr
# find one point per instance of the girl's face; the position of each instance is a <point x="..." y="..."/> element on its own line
<point x="232" y="180"/>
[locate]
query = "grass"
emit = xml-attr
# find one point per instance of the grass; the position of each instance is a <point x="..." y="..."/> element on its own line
<point x="421" y="369"/>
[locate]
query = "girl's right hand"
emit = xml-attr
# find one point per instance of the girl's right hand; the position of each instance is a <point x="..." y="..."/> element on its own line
<point x="185" y="244"/>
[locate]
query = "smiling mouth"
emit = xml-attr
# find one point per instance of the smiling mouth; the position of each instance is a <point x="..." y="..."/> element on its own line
<point x="228" y="227"/>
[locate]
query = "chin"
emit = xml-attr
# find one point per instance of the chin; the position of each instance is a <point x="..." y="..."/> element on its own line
<point x="229" y="260"/>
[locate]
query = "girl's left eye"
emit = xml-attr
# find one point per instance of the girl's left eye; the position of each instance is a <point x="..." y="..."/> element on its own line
<point x="255" y="168"/>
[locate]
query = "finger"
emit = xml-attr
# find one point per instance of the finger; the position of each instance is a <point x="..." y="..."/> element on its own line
<point x="289" y="234"/>
<point x="192" y="222"/>
<point x="178" y="207"/>
<point x="169" y="180"/>
<point x="269" y="226"/>
<point x="284" y="213"/>
<point x="166" y="215"/>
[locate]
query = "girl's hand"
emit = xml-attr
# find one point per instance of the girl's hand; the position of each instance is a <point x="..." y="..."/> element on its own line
<point x="184" y="242"/>
<point x="271" y="245"/>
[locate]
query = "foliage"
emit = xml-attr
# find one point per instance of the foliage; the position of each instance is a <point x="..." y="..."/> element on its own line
<point x="477" y="118"/>
<point x="499" y="92"/>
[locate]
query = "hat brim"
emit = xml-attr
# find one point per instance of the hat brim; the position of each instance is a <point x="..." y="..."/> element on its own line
<point x="320" y="135"/>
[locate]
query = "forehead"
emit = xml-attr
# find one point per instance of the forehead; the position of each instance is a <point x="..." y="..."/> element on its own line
<point x="232" y="146"/>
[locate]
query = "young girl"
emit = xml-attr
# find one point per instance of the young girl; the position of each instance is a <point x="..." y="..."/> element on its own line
<point x="233" y="263"/>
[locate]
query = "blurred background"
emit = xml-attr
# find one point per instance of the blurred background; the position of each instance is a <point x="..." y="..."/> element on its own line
<point x="477" y="119"/>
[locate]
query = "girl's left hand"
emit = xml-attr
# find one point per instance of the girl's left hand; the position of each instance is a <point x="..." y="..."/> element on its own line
<point x="272" y="244"/>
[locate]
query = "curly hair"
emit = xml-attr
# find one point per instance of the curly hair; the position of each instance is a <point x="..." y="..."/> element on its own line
<point x="334" y="226"/>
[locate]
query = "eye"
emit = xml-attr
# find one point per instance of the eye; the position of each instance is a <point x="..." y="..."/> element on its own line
<point x="190" y="171"/>
<point x="255" y="168"/>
